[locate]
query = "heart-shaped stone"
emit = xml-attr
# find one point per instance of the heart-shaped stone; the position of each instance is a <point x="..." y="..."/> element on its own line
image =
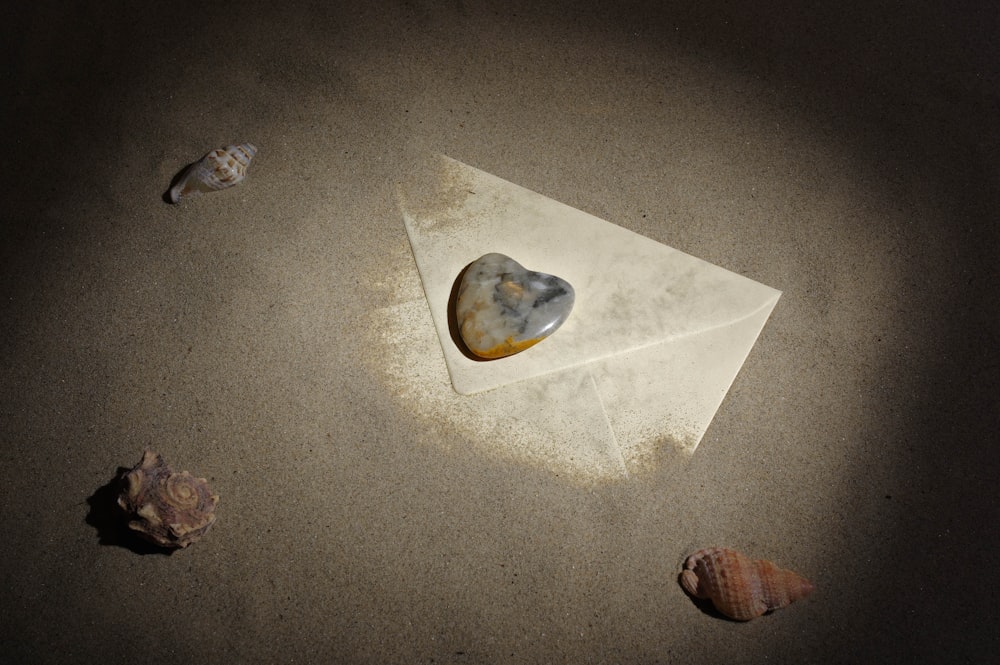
<point x="503" y="308"/>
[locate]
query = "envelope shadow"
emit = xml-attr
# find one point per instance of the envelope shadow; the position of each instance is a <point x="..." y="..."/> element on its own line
<point x="111" y="522"/>
<point x="453" y="329"/>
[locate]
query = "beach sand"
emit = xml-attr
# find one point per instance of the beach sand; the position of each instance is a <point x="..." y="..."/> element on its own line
<point x="845" y="154"/>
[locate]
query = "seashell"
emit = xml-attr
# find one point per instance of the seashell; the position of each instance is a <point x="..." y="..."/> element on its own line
<point x="219" y="169"/>
<point x="740" y="587"/>
<point x="167" y="508"/>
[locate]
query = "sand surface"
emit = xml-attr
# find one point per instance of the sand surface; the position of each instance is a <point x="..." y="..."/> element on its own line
<point x="844" y="153"/>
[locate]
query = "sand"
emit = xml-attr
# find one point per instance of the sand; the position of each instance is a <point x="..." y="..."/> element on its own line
<point x="846" y="154"/>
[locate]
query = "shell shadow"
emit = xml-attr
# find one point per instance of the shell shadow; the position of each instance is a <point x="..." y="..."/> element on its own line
<point x="705" y="605"/>
<point x="173" y="182"/>
<point x="453" y="331"/>
<point x="111" y="522"/>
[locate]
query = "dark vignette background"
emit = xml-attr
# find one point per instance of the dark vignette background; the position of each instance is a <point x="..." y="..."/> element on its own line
<point x="857" y="445"/>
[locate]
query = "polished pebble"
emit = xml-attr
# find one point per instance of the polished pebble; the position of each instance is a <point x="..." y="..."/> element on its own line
<point x="503" y="308"/>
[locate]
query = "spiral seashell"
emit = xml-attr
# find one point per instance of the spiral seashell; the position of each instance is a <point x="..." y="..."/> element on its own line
<point x="167" y="508"/>
<point x="739" y="587"/>
<point x="219" y="169"/>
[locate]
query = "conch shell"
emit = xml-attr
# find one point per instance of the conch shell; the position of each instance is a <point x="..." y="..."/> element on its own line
<point x="166" y="508"/>
<point x="739" y="587"/>
<point x="221" y="168"/>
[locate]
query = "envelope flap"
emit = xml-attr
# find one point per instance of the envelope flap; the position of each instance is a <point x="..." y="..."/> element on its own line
<point x="631" y="292"/>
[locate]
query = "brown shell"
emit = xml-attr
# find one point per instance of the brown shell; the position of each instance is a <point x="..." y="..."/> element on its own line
<point x="219" y="169"/>
<point x="167" y="508"/>
<point x="740" y="587"/>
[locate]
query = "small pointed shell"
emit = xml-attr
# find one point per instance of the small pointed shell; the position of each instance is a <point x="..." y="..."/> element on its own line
<point x="739" y="587"/>
<point x="167" y="508"/>
<point x="219" y="169"/>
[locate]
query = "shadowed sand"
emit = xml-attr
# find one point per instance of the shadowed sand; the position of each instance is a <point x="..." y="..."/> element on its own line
<point x="844" y="154"/>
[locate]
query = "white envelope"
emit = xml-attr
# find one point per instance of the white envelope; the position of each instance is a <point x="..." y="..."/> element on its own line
<point x="650" y="350"/>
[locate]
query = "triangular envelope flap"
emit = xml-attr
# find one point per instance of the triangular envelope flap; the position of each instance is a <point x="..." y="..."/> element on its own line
<point x="672" y="390"/>
<point x="632" y="292"/>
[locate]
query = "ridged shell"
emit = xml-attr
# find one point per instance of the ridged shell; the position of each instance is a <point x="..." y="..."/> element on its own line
<point x="167" y="508"/>
<point x="739" y="587"/>
<point x="219" y="169"/>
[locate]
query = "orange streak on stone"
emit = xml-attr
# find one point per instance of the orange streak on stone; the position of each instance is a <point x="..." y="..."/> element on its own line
<point x="507" y="348"/>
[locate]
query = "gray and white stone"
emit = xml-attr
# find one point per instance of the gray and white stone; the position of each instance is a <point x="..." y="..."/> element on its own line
<point x="503" y="308"/>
